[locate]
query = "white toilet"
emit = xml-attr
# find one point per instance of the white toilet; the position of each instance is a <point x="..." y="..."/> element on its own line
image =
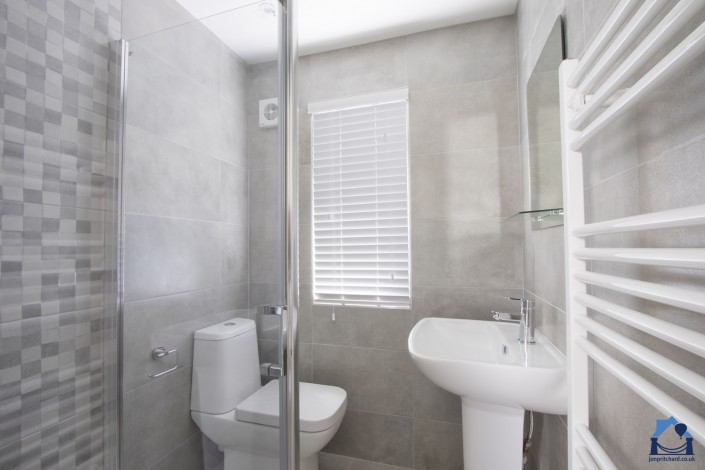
<point x="231" y="407"/>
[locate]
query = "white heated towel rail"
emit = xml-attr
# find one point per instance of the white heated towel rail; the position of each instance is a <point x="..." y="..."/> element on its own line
<point x="592" y="97"/>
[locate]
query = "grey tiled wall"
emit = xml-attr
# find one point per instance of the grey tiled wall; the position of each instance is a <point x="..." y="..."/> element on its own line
<point x="53" y="118"/>
<point x="186" y="219"/>
<point x="465" y="183"/>
<point x="648" y="161"/>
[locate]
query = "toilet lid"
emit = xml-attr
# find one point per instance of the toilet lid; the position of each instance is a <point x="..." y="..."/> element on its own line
<point x="320" y="406"/>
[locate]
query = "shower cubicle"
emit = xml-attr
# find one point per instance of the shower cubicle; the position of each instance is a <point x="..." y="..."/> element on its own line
<point x="142" y="200"/>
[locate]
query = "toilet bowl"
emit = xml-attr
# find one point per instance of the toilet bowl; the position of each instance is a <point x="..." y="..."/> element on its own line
<point x="234" y="411"/>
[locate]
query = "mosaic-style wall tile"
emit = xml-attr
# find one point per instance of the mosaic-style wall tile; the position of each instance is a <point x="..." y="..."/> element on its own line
<point x="54" y="100"/>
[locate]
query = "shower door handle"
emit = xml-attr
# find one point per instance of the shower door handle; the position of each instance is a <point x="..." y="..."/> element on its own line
<point x="269" y="369"/>
<point x="277" y="310"/>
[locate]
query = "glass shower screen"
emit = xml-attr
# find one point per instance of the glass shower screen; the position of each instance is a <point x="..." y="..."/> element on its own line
<point x="207" y="163"/>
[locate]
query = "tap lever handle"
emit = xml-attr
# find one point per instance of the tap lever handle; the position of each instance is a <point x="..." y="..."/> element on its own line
<point x="502" y="316"/>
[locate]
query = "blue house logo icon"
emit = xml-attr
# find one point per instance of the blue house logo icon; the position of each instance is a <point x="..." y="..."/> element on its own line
<point x="662" y="425"/>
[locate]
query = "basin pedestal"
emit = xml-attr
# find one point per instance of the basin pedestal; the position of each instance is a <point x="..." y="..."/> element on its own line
<point x="493" y="436"/>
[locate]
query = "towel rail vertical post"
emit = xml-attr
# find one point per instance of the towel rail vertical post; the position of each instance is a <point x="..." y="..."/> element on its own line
<point x="573" y="201"/>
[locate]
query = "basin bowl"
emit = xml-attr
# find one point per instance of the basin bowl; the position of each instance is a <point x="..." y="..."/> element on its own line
<point x="483" y="361"/>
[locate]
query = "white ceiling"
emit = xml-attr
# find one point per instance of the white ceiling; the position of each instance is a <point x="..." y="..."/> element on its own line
<point x="331" y="24"/>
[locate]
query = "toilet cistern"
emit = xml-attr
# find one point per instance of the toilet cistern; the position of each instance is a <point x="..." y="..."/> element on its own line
<point x="525" y="319"/>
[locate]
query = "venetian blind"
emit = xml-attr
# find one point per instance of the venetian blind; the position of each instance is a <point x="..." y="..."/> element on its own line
<point x="360" y="205"/>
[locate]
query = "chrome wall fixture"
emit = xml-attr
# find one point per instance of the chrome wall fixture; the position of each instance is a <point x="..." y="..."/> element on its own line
<point x="159" y="353"/>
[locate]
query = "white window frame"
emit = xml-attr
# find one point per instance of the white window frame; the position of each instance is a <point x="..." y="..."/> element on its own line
<point x="363" y="299"/>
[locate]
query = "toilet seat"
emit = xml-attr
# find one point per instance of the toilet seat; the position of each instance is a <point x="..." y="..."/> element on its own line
<point x="320" y="406"/>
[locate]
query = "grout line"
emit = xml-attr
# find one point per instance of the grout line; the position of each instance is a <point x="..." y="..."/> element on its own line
<point x="174" y="449"/>
<point x="463" y="151"/>
<point x="544" y="300"/>
<point x="664" y="154"/>
<point x="460" y="84"/>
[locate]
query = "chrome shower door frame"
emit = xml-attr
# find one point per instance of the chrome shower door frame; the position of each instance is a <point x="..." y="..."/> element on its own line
<point x="288" y="147"/>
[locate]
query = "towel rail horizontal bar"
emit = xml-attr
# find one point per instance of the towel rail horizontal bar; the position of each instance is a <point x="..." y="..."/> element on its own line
<point x="646" y="390"/>
<point x="684" y="338"/>
<point x="596" y="450"/>
<point x="676" y="60"/>
<point x="634" y="27"/>
<point x="586" y="459"/>
<point x="675" y="373"/>
<point x="693" y="258"/>
<point x="612" y="24"/>
<point x="674" y="218"/>
<point x="671" y="24"/>
<point x="668" y="295"/>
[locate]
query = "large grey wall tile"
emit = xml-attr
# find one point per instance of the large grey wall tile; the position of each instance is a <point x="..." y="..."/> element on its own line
<point x="305" y="193"/>
<point x="263" y="145"/>
<point x="550" y="446"/>
<point x="233" y="135"/>
<point x="472" y="52"/>
<point x="361" y="327"/>
<point x="234" y="205"/>
<point x="262" y="293"/>
<point x="166" y="401"/>
<point x="165" y="321"/>
<point x="305" y="312"/>
<point x="354" y="70"/>
<point x="235" y="254"/>
<point x="595" y="12"/>
<point x="681" y="167"/>
<point x="551" y="321"/>
<point x="306" y="253"/>
<point x="190" y="47"/>
<point x="456" y="302"/>
<point x="188" y="456"/>
<point x="384" y="388"/>
<point x="167" y="256"/>
<point x="437" y="446"/>
<point x="304" y="136"/>
<point x="484" y="116"/>
<point x="264" y="197"/>
<point x="550" y="266"/>
<point x="264" y="83"/>
<point x="306" y="362"/>
<point x="162" y="178"/>
<point x="466" y="253"/>
<point x="574" y="32"/>
<point x="375" y="437"/>
<point x="140" y="18"/>
<point x="235" y="296"/>
<point x="234" y="78"/>
<point x="470" y="184"/>
<point x="432" y="402"/>
<point x="266" y="255"/>
<point x="169" y="103"/>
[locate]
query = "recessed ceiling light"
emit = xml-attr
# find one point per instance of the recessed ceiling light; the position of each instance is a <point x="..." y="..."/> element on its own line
<point x="268" y="9"/>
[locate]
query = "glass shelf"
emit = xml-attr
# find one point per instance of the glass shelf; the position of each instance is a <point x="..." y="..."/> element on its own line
<point x="542" y="218"/>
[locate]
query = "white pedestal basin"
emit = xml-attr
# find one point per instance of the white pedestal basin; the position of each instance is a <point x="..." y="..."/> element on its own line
<point x="497" y="378"/>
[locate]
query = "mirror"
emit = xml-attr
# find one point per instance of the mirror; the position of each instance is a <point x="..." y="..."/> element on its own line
<point x="542" y="96"/>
